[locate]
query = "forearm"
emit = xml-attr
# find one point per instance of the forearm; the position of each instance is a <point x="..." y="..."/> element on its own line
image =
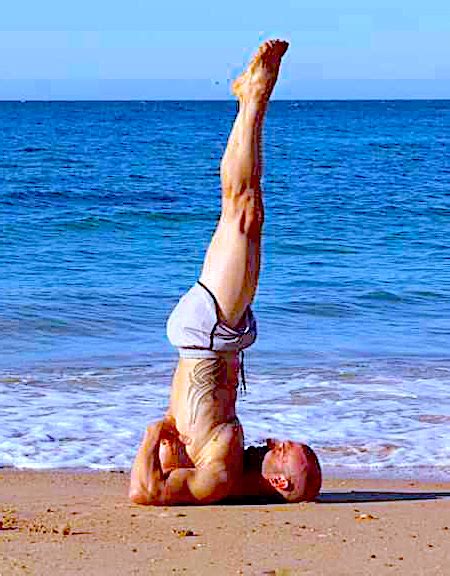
<point x="147" y="479"/>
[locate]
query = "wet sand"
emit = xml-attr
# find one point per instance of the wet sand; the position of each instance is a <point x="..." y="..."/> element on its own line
<point x="81" y="523"/>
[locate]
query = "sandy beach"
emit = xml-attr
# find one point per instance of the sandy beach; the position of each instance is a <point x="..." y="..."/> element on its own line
<point x="82" y="523"/>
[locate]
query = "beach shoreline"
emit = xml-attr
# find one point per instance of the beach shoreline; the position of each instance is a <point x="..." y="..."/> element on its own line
<point x="69" y="522"/>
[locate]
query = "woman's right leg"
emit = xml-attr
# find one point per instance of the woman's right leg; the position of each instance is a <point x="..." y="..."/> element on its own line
<point x="231" y="267"/>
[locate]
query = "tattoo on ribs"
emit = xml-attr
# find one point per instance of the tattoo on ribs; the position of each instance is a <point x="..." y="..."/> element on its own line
<point x="207" y="379"/>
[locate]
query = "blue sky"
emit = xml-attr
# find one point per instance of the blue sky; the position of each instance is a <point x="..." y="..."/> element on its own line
<point x="180" y="49"/>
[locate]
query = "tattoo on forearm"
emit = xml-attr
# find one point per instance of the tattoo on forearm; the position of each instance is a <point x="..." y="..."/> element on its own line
<point x="205" y="380"/>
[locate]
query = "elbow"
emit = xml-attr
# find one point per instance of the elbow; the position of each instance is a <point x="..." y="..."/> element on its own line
<point x="139" y="496"/>
<point x="144" y="497"/>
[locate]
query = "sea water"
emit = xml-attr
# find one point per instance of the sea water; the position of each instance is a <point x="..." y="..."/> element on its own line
<point x="106" y="210"/>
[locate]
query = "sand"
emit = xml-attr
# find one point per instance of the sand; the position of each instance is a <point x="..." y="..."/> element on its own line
<point x="81" y="523"/>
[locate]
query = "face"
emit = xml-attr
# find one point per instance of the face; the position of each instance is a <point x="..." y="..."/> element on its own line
<point x="292" y="469"/>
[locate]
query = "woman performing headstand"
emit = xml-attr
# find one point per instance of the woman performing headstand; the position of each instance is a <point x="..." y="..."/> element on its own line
<point x="196" y="453"/>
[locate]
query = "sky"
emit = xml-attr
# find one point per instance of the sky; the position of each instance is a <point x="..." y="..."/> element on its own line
<point x="178" y="49"/>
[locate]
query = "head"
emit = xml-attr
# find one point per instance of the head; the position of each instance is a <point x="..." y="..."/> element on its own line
<point x="292" y="469"/>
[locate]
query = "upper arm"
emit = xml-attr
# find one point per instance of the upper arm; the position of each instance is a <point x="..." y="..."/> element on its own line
<point x="194" y="486"/>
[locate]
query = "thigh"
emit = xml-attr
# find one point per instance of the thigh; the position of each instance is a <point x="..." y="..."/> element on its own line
<point x="231" y="270"/>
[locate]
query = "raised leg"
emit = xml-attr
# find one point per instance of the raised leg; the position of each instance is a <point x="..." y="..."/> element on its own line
<point x="231" y="267"/>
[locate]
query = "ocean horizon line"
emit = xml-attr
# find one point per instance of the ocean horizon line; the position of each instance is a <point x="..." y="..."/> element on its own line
<point x="212" y="100"/>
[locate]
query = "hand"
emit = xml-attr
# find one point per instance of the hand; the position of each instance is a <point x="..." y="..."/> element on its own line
<point x="168" y="430"/>
<point x="164" y="429"/>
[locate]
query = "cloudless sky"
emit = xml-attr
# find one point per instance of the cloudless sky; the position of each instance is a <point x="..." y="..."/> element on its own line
<point x="180" y="48"/>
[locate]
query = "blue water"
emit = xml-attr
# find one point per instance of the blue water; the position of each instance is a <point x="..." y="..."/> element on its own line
<point x="106" y="210"/>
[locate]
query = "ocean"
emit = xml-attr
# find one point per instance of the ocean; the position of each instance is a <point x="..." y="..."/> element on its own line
<point x="106" y="210"/>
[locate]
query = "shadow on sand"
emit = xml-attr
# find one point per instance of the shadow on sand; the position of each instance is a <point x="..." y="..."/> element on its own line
<point x="350" y="497"/>
<point x="372" y="496"/>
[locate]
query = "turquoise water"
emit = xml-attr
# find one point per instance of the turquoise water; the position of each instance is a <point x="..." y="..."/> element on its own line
<point x="106" y="210"/>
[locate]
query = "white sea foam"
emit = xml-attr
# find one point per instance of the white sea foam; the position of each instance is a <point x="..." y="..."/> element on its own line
<point x="357" y="418"/>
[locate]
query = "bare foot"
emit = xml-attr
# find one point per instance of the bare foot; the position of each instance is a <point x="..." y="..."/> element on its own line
<point x="257" y="82"/>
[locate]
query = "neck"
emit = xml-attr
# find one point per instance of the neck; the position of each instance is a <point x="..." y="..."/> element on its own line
<point x="253" y="482"/>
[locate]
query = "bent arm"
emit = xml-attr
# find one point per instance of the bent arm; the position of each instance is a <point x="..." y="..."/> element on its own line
<point x="149" y="485"/>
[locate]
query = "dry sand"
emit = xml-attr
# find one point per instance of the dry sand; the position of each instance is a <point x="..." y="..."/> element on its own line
<point x="55" y="523"/>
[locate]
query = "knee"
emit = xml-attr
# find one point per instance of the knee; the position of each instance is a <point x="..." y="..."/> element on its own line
<point x="247" y="211"/>
<point x="252" y="217"/>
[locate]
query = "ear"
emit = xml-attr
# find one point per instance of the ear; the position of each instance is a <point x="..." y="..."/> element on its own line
<point x="279" y="482"/>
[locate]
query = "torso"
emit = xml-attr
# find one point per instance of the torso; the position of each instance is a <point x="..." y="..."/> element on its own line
<point x="203" y="407"/>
